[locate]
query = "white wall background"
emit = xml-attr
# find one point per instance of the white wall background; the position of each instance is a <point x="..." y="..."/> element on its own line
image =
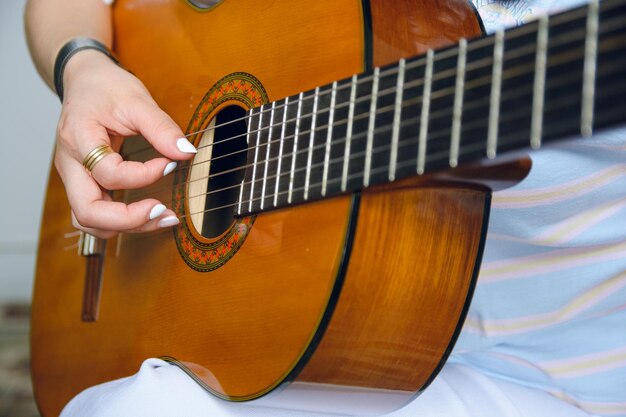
<point x="28" y="116"/>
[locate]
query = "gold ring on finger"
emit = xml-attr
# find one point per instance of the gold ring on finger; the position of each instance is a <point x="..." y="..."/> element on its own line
<point x="95" y="156"/>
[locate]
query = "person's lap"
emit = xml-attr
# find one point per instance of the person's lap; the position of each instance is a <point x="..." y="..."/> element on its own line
<point x="163" y="390"/>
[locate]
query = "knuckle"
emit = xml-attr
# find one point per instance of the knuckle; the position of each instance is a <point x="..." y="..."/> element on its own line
<point x="152" y="173"/>
<point x="162" y="122"/>
<point x="83" y="216"/>
<point x="109" y="173"/>
<point x="68" y="131"/>
<point x="65" y="128"/>
<point x="107" y="179"/>
<point x="133" y="103"/>
<point x="130" y="224"/>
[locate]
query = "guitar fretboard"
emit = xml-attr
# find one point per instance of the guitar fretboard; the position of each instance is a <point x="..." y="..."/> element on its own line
<point x="519" y="88"/>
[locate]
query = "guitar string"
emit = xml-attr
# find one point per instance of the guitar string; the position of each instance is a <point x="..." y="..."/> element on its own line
<point x="440" y="94"/>
<point x="446" y="53"/>
<point x="382" y="169"/>
<point x="442" y="155"/>
<point x="468" y="126"/>
<point x="450" y="52"/>
<point x="409" y="103"/>
<point x="470" y="105"/>
<point x="249" y="117"/>
<point x="408" y="163"/>
<point x="436" y="157"/>
<point x="516" y="93"/>
<point x="401" y="165"/>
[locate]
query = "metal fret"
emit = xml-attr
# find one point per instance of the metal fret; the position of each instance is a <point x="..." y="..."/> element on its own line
<point x="428" y="80"/>
<point x="280" y="150"/>
<point x="331" y="116"/>
<point x="457" y="110"/>
<point x="536" y="124"/>
<point x="589" y="72"/>
<point x="370" y="127"/>
<point x="311" y="142"/>
<point x="243" y="182"/>
<point x="267" y="153"/>
<point x="494" y="102"/>
<point x="256" y="158"/>
<point x="240" y="196"/>
<point x="346" y="155"/>
<point x="295" y="148"/>
<point x="397" y="112"/>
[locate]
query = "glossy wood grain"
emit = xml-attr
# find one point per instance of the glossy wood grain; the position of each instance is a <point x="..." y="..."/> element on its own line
<point x="405" y="28"/>
<point x="246" y="327"/>
<point x="407" y="285"/>
<point x="254" y="316"/>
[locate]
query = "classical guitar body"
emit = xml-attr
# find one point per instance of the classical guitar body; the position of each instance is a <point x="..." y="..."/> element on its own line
<point x="359" y="296"/>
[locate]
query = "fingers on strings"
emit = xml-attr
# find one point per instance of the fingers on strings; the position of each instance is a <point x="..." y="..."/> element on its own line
<point x="93" y="210"/>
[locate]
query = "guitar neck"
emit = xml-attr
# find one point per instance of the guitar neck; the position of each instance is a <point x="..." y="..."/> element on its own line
<point x="515" y="89"/>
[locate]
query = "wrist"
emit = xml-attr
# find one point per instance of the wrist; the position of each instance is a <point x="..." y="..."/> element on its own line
<point x="73" y="53"/>
<point x="84" y="62"/>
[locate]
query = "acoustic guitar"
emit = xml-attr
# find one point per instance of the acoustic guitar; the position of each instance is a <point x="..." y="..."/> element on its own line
<point x="333" y="220"/>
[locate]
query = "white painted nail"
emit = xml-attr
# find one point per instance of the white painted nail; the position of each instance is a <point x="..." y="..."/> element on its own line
<point x="168" y="221"/>
<point x="157" y="211"/>
<point x="169" y="168"/>
<point x="184" y="145"/>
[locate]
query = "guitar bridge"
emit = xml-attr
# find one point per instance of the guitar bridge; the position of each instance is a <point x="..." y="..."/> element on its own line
<point x="92" y="248"/>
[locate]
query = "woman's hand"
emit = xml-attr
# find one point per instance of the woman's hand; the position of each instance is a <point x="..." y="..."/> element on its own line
<point x="102" y="104"/>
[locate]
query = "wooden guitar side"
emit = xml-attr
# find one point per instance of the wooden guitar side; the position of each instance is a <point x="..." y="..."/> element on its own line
<point x="357" y="291"/>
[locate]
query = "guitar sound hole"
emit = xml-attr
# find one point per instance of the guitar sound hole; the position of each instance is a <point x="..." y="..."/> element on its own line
<point x="214" y="178"/>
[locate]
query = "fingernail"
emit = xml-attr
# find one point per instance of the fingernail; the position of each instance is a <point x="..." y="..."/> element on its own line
<point x="157" y="211"/>
<point x="184" y="145"/>
<point x="169" y="168"/>
<point x="168" y="221"/>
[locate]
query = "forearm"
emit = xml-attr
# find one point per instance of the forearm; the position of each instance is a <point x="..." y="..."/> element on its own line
<point x="51" y="23"/>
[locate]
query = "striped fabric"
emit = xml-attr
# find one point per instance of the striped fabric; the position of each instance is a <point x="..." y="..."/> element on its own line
<point x="550" y="306"/>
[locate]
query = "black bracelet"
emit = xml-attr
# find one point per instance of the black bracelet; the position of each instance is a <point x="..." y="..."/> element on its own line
<point x="69" y="49"/>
